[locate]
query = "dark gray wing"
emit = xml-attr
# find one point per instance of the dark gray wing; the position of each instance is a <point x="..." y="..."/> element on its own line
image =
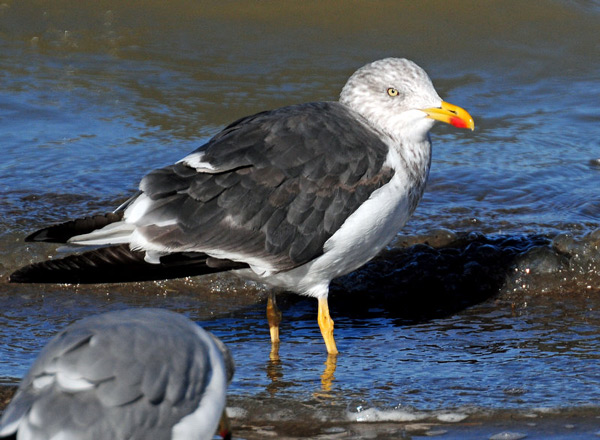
<point x="277" y="186"/>
<point x="147" y="368"/>
<point x="60" y="233"/>
<point x="116" y="264"/>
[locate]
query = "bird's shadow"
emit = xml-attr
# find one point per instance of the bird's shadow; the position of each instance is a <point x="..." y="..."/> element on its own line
<point x="421" y="282"/>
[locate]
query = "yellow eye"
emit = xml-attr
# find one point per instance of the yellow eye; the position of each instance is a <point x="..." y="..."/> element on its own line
<point x="392" y="91"/>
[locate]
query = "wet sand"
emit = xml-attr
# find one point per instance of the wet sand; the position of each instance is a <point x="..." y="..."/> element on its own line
<point x="498" y="427"/>
<point x="541" y="424"/>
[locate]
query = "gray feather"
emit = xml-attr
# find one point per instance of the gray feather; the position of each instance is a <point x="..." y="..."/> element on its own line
<point x="283" y="182"/>
<point x="147" y="366"/>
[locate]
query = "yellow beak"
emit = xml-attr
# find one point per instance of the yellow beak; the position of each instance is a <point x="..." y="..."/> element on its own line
<point x="451" y="114"/>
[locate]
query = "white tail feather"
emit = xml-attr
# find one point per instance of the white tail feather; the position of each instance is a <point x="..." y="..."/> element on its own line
<point x="115" y="233"/>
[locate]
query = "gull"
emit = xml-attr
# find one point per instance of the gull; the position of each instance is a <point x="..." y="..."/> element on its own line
<point x="293" y="197"/>
<point x="127" y="374"/>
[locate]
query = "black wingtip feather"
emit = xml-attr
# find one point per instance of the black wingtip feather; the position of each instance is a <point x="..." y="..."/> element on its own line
<point x="62" y="232"/>
<point x="117" y="264"/>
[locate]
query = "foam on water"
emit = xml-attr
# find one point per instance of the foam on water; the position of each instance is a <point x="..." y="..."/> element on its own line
<point x="236" y="412"/>
<point x="403" y="415"/>
<point x="507" y="435"/>
<point x="375" y="415"/>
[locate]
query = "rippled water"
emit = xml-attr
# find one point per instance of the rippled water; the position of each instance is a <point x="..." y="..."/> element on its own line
<point x="92" y="96"/>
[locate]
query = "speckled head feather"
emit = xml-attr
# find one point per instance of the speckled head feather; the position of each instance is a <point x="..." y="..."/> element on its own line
<point x="366" y="92"/>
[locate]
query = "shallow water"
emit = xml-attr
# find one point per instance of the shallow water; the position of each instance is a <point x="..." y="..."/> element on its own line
<point x="487" y="303"/>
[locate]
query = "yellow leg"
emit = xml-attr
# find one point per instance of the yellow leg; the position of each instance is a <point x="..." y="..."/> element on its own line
<point x="274" y="318"/>
<point x="326" y="326"/>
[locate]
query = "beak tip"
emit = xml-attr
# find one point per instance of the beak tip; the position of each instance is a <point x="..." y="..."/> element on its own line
<point x="451" y="114"/>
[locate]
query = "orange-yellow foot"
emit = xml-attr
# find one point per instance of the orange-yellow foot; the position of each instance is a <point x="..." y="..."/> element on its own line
<point x="326" y="326"/>
<point x="274" y="318"/>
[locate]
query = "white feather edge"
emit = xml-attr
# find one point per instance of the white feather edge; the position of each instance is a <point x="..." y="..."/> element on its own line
<point x="114" y="233"/>
<point x="195" y="160"/>
<point x="10" y="428"/>
<point x="203" y="422"/>
<point x="63" y="380"/>
<point x="67" y="381"/>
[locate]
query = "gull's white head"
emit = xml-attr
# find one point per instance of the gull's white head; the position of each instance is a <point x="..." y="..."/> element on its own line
<point x="397" y="96"/>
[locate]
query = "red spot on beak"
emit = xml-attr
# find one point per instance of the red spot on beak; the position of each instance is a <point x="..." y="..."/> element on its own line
<point x="458" y="122"/>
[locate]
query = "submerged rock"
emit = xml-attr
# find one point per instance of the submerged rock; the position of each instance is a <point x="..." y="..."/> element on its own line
<point x="541" y="260"/>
